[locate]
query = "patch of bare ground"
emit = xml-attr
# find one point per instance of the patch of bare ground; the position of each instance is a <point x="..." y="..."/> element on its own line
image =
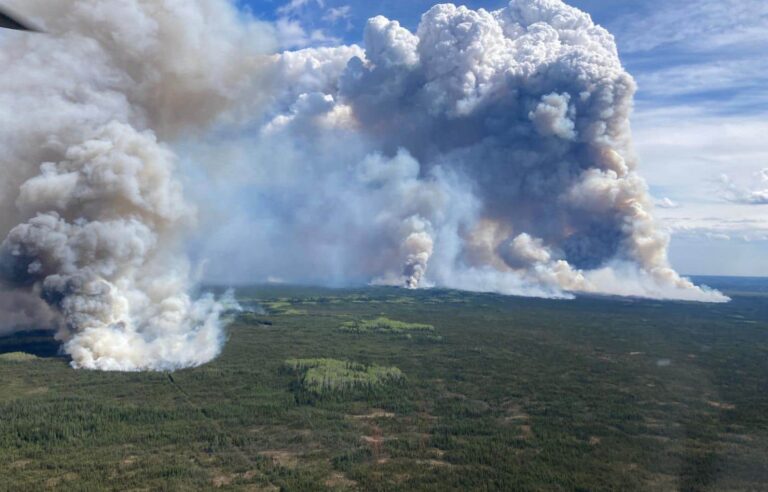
<point x="338" y="481"/>
<point x="526" y="432"/>
<point x="128" y="461"/>
<point x="478" y="405"/>
<point x="720" y="405"/>
<point x="514" y="410"/>
<point x="737" y="438"/>
<point x="516" y="418"/>
<point x="261" y="488"/>
<point x="434" y="463"/>
<point x="426" y="416"/>
<point x="663" y="481"/>
<point x="658" y="438"/>
<point x="206" y="459"/>
<point x="222" y="480"/>
<point x="454" y="396"/>
<point x="286" y="459"/>
<point x="437" y="452"/>
<point x="376" y="413"/>
<point x="656" y="424"/>
<point x="630" y="466"/>
<point x="399" y="478"/>
<point x="374" y="440"/>
<point x="55" y="482"/>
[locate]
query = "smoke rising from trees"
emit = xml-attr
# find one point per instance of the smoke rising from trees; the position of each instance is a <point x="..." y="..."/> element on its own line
<point x="485" y="151"/>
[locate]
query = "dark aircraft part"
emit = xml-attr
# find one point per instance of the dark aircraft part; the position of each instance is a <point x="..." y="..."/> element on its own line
<point x="12" y="21"/>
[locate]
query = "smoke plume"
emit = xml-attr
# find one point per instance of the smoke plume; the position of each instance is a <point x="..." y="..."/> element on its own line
<point x="93" y="210"/>
<point x="485" y="151"/>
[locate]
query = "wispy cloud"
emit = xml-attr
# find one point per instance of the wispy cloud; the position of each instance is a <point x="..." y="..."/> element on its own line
<point x="336" y="14"/>
<point x="697" y="25"/>
<point x="738" y="78"/>
<point x="297" y="27"/>
<point x="295" y="6"/>
<point x="705" y="52"/>
<point x="291" y="34"/>
<point x="666" y="202"/>
<point x="748" y="195"/>
<point x="683" y="152"/>
<point x="684" y="149"/>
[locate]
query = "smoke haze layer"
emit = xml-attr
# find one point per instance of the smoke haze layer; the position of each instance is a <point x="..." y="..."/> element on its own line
<point x="485" y="151"/>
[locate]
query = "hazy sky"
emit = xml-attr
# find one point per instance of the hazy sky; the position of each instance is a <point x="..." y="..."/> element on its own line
<point x="700" y="125"/>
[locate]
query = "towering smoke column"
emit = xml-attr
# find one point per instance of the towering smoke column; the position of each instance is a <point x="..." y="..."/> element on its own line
<point x="529" y="104"/>
<point x="93" y="213"/>
<point x="485" y="151"/>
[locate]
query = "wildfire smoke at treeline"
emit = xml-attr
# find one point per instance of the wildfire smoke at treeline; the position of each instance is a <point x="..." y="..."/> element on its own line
<point x="484" y="151"/>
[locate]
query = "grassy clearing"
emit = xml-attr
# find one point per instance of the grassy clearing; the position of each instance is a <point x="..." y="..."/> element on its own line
<point x="384" y="325"/>
<point x="283" y="307"/>
<point x="18" y="357"/>
<point x="322" y="376"/>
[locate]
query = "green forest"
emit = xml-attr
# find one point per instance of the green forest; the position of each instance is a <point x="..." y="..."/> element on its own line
<point x="320" y="389"/>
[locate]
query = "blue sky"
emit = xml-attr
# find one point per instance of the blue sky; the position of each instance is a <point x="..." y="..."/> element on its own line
<point x="700" y="121"/>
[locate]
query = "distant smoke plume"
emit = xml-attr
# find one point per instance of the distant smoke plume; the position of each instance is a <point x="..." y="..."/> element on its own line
<point x="486" y="151"/>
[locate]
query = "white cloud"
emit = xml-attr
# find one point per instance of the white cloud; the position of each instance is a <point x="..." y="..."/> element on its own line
<point x="291" y="34"/>
<point x="748" y="195"/>
<point x="698" y="25"/>
<point x="744" y="81"/>
<point x="335" y="14"/>
<point x="666" y="203"/>
<point x="296" y="29"/>
<point x="709" y="52"/>
<point x="684" y="150"/>
<point x="698" y="225"/>
<point x="295" y="6"/>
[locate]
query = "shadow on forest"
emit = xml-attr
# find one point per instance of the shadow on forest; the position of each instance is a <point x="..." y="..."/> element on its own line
<point x="40" y="343"/>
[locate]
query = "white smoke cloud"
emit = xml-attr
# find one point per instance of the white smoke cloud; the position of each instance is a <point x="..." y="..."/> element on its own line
<point x="94" y="212"/>
<point x="486" y="151"/>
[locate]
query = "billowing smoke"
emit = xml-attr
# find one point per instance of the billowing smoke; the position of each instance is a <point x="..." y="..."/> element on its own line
<point x="486" y="151"/>
<point x="93" y="210"/>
